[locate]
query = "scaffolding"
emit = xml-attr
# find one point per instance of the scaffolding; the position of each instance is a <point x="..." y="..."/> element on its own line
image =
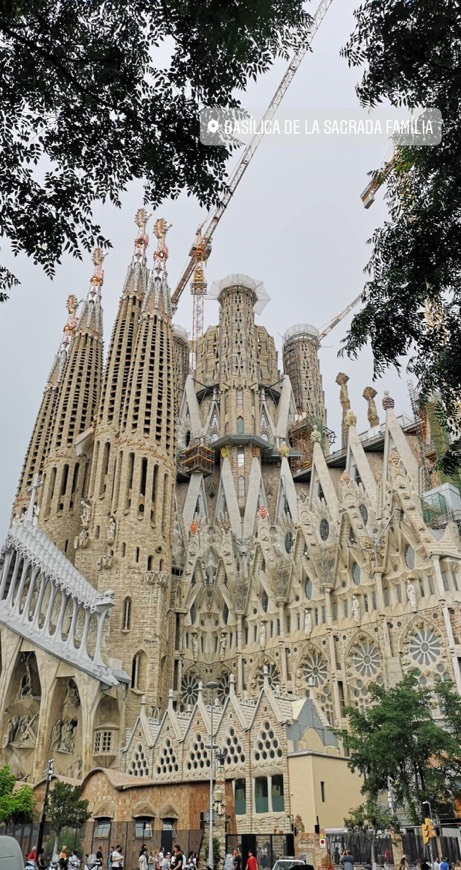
<point x="198" y="456"/>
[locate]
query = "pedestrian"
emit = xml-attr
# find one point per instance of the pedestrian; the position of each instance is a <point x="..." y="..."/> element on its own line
<point x="444" y="864"/>
<point x="435" y="864"/>
<point x="178" y="858"/>
<point x="166" y="861"/>
<point x="117" y="858"/>
<point x="151" y="861"/>
<point x="100" y="856"/>
<point x="143" y="857"/>
<point x="347" y="860"/>
<point x="403" y="863"/>
<point x="251" y="863"/>
<point x="424" y="865"/>
<point x="237" y="859"/>
<point x="41" y="863"/>
<point x="109" y="858"/>
<point x="228" y="862"/>
<point x="63" y="859"/>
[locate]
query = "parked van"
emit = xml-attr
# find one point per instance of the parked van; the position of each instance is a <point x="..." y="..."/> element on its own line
<point x="10" y="854"/>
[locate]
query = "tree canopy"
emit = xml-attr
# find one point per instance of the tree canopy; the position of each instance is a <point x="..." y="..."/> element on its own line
<point x="16" y="805"/>
<point x="396" y="737"/>
<point x="412" y="53"/>
<point x="65" y="808"/>
<point x="94" y="95"/>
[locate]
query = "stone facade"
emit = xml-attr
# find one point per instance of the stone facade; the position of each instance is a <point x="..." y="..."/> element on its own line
<point x="194" y="527"/>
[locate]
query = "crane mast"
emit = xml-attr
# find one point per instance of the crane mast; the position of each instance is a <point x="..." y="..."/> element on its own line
<point x="201" y="248"/>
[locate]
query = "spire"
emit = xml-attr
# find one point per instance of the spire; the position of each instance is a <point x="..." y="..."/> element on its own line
<point x="76" y="403"/>
<point x="157" y="299"/>
<point x="39" y="444"/>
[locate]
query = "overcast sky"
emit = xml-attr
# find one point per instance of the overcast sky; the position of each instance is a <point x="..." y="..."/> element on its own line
<point x="296" y="222"/>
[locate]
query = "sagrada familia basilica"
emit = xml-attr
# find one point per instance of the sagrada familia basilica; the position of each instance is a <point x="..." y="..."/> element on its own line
<point x="176" y="527"/>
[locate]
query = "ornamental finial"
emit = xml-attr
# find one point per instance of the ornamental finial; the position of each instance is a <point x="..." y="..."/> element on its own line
<point x="71" y="325"/>
<point x="161" y="252"/>
<point x="98" y="256"/>
<point x="142" y="239"/>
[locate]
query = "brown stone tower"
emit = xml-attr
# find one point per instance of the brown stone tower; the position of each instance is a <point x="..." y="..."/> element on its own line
<point x="138" y="536"/>
<point x="65" y="472"/>
<point x="37" y="450"/>
<point x="95" y="544"/>
<point x="301" y="364"/>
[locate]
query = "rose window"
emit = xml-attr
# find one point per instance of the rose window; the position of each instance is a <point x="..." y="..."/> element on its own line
<point x="424" y="646"/>
<point x="189" y="689"/>
<point x="366" y="659"/>
<point x="223" y="687"/>
<point x="273" y="674"/>
<point x="315" y="669"/>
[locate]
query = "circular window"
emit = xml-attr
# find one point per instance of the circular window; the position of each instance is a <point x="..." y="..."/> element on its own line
<point x="355" y="573"/>
<point x="363" y="513"/>
<point x="308" y="588"/>
<point x="409" y="557"/>
<point x="288" y="542"/>
<point x="324" y="529"/>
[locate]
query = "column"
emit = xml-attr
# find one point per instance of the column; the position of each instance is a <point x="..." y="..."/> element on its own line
<point x="46" y="627"/>
<point x="70" y="637"/>
<point x="22" y="583"/>
<point x="82" y="653"/>
<point x="58" y="632"/>
<point x="5" y="572"/>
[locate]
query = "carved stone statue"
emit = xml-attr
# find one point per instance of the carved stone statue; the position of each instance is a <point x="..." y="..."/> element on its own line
<point x="85" y="513"/>
<point x="26" y="736"/>
<point x="10" y="735"/>
<point x="411" y="595"/>
<point x="194" y="644"/>
<point x="68" y="737"/>
<point x="307" y="622"/>
<point x="56" y="731"/>
<point x="72" y="697"/>
<point x="369" y="394"/>
<point x="78" y="767"/>
<point x="222" y="644"/>
<point x="262" y="634"/>
<point x="25" y="686"/>
<point x="356" y="608"/>
<point x="111" y="531"/>
<point x="342" y="379"/>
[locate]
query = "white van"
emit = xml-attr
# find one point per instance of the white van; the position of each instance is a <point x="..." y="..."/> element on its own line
<point x="10" y="854"/>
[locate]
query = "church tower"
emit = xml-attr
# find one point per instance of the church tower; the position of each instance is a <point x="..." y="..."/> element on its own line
<point x="134" y="452"/>
<point x="37" y="450"/>
<point x="65" y="472"/>
<point x="96" y="539"/>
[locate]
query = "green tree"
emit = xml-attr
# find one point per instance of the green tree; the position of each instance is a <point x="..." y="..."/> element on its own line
<point x="411" y="52"/>
<point x="396" y="737"/>
<point x="65" y="808"/>
<point x="94" y="95"/>
<point x="15" y="805"/>
<point x="373" y="821"/>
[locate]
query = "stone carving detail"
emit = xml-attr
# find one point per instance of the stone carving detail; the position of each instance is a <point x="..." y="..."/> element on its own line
<point x="21" y="732"/>
<point x="307" y="622"/>
<point x="63" y="735"/>
<point x="356" y="608"/>
<point x="411" y="595"/>
<point x="72" y="696"/>
<point x="85" y="513"/>
<point x="369" y="394"/>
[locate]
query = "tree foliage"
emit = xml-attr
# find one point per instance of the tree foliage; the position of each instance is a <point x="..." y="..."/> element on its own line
<point x="91" y="99"/>
<point x="397" y="737"/>
<point x="373" y="821"/>
<point x="412" y="54"/>
<point x="16" y="805"/>
<point x="65" y="809"/>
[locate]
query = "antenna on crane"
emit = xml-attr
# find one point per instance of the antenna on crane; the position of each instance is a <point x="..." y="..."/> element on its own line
<point x="212" y="220"/>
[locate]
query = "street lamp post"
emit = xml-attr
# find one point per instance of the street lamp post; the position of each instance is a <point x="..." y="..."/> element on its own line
<point x="212" y="686"/>
<point x="49" y="776"/>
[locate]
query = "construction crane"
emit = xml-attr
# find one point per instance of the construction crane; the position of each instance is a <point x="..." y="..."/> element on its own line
<point x="398" y="163"/>
<point x="201" y="248"/>
<point x="331" y="325"/>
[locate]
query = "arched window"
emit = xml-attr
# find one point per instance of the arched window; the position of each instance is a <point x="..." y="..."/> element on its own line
<point x="126" y="615"/>
<point x="241" y="487"/>
<point x="139" y="672"/>
<point x="240" y="426"/>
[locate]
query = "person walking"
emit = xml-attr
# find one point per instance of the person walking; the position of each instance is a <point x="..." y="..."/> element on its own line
<point x="237" y="859"/>
<point x="251" y="863"/>
<point x="444" y="864"/>
<point x="143" y="858"/>
<point x="117" y="858"/>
